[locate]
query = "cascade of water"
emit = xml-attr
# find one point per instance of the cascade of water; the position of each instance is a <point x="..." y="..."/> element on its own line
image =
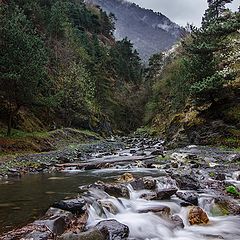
<point x="145" y="225"/>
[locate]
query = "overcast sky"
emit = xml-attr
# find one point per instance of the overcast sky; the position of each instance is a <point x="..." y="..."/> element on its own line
<point x="180" y="11"/>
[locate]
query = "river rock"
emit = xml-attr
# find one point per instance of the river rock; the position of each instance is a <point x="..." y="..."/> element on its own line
<point x="63" y="159"/>
<point x="157" y="152"/>
<point x="220" y="176"/>
<point x="56" y="220"/>
<point x="177" y="221"/>
<point x="227" y="206"/>
<point x="109" y="206"/>
<point x="165" y="193"/>
<point x="115" y="229"/>
<point x="75" y="206"/>
<point x="137" y="184"/>
<point x="37" y="235"/>
<point x="116" y="190"/>
<point x="126" y="177"/>
<point x="149" y="195"/>
<point x="92" y="234"/>
<point x="196" y="215"/>
<point x="185" y="182"/>
<point x="162" y="211"/>
<point x="190" y="197"/>
<point x="149" y="183"/>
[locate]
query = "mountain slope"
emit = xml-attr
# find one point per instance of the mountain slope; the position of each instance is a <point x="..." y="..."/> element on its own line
<point x="149" y="31"/>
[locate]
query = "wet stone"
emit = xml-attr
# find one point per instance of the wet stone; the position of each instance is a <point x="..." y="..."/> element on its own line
<point x="75" y="206"/>
<point x="185" y="182"/>
<point x="165" y="193"/>
<point x="149" y="183"/>
<point x="190" y="197"/>
<point x="162" y="211"/>
<point x="177" y="221"/>
<point x="196" y="215"/>
<point x="92" y="234"/>
<point x="115" y="229"/>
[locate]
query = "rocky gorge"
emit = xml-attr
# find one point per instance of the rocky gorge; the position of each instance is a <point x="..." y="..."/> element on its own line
<point x="149" y="192"/>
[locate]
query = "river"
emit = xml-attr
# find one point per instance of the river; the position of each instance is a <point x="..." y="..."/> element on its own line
<point x="198" y="172"/>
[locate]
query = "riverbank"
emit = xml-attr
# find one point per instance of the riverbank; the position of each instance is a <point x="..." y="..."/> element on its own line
<point x="19" y="155"/>
<point x="178" y="180"/>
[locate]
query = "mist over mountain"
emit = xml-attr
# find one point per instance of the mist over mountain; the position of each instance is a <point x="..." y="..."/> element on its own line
<point x="150" y="32"/>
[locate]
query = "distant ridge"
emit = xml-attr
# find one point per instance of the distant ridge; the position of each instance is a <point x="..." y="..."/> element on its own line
<point x="150" y="32"/>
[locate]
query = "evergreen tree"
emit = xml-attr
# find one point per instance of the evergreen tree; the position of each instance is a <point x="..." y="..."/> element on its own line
<point x="23" y="60"/>
<point x="207" y="75"/>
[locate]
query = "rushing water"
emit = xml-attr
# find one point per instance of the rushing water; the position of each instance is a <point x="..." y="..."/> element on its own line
<point x="148" y="226"/>
<point x="25" y="199"/>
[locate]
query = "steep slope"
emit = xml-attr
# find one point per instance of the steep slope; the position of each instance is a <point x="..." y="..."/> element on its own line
<point x="61" y="67"/>
<point x="149" y="31"/>
<point x="196" y="87"/>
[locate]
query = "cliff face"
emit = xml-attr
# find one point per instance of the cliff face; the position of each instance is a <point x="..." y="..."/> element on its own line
<point x="149" y="31"/>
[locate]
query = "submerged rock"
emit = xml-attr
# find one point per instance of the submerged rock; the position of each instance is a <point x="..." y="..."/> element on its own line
<point x="227" y="206"/>
<point x="162" y="211"/>
<point x="196" y="215"/>
<point x="177" y="221"/>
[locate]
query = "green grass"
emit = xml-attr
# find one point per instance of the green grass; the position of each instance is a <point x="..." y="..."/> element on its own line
<point x="21" y="134"/>
<point x="146" y="130"/>
<point x="232" y="190"/>
<point x="165" y="158"/>
<point x="212" y="174"/>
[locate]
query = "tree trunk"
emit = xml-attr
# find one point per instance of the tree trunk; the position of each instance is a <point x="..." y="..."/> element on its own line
<point x="10" y="119"/>
<point x="9" y="130"/>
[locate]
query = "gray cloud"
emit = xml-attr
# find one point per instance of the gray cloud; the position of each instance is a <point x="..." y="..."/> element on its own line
<point x="180" y="11"/>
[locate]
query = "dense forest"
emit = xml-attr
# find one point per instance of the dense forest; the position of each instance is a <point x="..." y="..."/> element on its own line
<point x="62" y="67"/>
<point x="61" y="64"/>
<point x="195" y="85"/>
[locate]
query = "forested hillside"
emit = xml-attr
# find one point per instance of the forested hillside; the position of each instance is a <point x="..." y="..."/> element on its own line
<point x="196" y="86"/>
<point x="61" y="67"/>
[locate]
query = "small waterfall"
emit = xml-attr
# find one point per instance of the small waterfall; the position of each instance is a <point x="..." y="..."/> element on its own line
<point x="146" y="225"/>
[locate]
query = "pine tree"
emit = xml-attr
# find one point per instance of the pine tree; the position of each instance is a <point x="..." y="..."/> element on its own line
<point x="205" y="51"/>
<point x="23" y="61"/>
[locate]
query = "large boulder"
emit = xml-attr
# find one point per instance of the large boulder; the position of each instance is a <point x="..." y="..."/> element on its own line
<point x="115" y="229"/>
<point x="92" y="234"/>
<point x="190" y="197"/>
<point x="56" y="220"/>
<point x="75" y="206"/>
<point x="186" y="182"/>
<point x="196" y="215"/>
